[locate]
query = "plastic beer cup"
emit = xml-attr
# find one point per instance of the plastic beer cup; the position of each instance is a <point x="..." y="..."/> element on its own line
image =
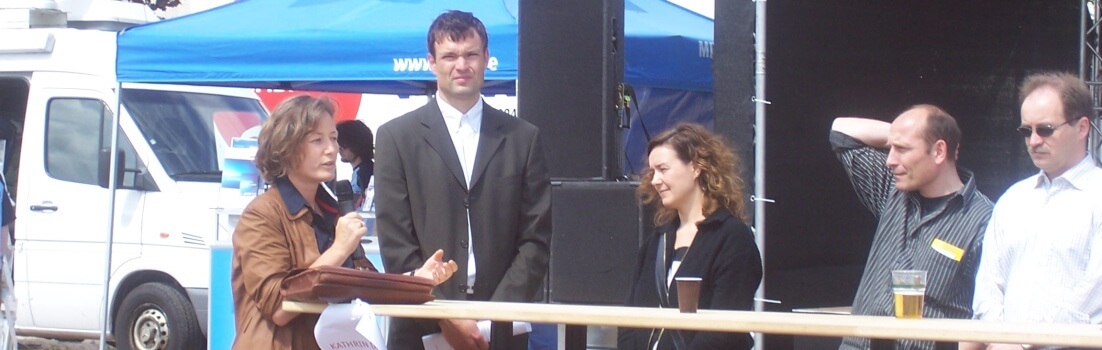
<point x="909" y="288"/>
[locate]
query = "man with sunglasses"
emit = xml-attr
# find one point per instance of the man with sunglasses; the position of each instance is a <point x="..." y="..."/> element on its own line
<point x="931" y="215"/>
<point x="1042" y="259"/>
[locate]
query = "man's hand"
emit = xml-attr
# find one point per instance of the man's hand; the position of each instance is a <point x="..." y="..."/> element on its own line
<point x="436" y="269"/>
<point x="982" y="346"/>
<point x="971" y="346"/>
<point x="463" y="335"/>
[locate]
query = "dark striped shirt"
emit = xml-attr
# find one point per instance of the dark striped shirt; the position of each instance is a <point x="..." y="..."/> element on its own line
<point x="905" y="239"/>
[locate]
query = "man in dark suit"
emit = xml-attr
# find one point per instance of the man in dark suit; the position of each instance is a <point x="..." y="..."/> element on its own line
<point x="461" y="176"/>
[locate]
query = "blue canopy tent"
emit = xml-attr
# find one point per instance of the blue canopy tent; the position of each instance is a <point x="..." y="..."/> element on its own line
<point x="378" y="46"/>
<point x="375" y="46"/>
<point x="667" y="46"/>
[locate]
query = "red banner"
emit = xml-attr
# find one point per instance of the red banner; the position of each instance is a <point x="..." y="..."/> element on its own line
<point x="348" y="104"/>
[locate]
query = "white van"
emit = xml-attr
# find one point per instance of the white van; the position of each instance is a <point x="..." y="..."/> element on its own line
<point x="57" y="101"/>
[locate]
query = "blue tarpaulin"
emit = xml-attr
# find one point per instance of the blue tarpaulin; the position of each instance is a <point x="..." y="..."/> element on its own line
<point x="379" y="46"/>
<point x="667" y="47"/>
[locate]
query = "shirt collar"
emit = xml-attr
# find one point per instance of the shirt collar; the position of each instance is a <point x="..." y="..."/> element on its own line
<point x="1076" y="175"/>
<point x="452" y="115"/>
<point x="715" y="218"/>
<point x="295" y="202"/>
<point x="969" y="180"/>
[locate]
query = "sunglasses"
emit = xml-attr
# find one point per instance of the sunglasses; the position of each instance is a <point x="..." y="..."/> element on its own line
<point x="1042" y="130"/>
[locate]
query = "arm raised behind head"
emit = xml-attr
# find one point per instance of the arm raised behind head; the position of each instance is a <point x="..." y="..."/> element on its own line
<point x="871" y="132"/>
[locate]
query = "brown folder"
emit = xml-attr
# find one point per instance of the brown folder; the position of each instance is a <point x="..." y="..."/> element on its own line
<point x="339" y="285"/>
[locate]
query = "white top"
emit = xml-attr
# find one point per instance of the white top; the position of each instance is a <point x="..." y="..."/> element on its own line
<point x="1042" y="251"/>
<point x="464" y="129"/>
<point x="369" y="196"/>
<point x="673" y="271"/>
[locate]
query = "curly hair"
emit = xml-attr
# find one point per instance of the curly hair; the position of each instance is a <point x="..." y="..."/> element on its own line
<point x="281" y="134"/>
<point x="718" y="167"/>
<point x="356" y="136"/>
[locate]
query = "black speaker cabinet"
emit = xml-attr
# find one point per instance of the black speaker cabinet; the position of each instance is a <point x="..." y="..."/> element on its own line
<point x="570" y="62"/>
<point x="597" y="230"/>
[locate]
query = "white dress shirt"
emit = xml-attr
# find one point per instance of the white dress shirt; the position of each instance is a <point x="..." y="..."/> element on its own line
<point x="464" y="129"/>
<point x="1042" y="252"/>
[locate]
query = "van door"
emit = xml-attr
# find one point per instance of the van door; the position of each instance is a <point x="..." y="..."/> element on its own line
<point x="64" y="208"/>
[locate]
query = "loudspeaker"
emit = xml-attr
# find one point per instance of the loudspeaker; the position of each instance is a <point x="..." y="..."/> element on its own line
<point x="570" y="63"/>
<point x="733" y="72"/>
<point x="597" y="230"/>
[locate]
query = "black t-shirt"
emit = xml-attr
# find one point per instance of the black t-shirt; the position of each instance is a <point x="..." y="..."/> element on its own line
<point x="931" y="204"/>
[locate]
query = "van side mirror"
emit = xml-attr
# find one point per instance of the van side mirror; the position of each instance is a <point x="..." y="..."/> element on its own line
<point x="105" y="164"/>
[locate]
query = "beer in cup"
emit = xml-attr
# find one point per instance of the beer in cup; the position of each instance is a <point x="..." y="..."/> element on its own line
<point x="909" y="287"/>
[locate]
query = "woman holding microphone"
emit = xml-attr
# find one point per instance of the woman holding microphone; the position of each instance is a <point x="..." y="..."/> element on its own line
<point x="294" y="225"/>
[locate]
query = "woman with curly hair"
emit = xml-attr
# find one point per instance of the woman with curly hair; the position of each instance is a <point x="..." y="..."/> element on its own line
<point x="691" y="173"/>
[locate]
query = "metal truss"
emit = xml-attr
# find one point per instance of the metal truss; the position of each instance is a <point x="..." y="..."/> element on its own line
<point x="1090" y="70"/>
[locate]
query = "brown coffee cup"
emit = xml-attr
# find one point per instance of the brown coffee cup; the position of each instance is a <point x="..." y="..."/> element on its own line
<point x="688" y="293"/>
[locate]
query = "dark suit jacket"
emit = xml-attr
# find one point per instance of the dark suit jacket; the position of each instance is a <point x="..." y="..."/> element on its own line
<point x="421" y="201"/>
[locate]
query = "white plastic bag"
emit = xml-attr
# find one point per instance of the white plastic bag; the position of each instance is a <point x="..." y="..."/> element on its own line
<point x="349" y="326"/>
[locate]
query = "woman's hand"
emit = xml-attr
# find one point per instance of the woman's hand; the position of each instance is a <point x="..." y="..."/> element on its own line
<point x="436" y="269"/>
<point x="350" y="229"/>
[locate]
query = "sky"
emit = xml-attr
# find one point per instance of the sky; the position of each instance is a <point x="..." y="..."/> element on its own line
<point x="704" y="7"/>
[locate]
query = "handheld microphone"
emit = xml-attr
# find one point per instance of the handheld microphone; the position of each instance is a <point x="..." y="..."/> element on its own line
<point x="345" y="197"/>
<point x="345" y="203"/>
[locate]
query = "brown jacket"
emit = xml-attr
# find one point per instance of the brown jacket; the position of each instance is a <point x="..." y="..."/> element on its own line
<point x="270" y="244"/>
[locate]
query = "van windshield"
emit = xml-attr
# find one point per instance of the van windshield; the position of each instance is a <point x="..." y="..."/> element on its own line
<point x="189" y="132"/>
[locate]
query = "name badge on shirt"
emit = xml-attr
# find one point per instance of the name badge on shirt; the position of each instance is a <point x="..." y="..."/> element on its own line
<point x="948" y="250"/>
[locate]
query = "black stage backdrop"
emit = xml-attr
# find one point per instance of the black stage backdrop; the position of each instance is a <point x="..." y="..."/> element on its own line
<point x="875" y="58"/>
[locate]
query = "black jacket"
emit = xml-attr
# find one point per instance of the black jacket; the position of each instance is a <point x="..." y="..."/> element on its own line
<point x="724" y="255"/>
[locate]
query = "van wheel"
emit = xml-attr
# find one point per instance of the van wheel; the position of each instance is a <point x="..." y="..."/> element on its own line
<point x="157" y="316"/>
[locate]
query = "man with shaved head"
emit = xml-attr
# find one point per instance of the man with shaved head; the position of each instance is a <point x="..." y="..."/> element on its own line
<point x="932" y="217"/>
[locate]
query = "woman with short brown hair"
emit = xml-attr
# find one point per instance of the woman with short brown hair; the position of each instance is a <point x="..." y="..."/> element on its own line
<point x="294" y="225"/>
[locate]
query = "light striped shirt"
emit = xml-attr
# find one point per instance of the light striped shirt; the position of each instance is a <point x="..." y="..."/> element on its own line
<point x="1043" y="259"/>
<point x="906" y="239"/>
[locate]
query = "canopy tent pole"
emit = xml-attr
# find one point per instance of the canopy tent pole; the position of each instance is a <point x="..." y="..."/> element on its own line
<point x="112" y="184"/>
<point x="759" y="151"/>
